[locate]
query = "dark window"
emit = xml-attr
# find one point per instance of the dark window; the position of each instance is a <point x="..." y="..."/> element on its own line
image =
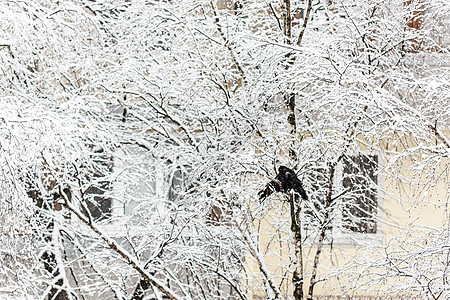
<point x="179" y="183"/>
<point x="360" y="203"/>
<point x="98" y="202"/>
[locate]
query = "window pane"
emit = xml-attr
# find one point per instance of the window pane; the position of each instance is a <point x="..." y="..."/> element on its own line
<point x="360" y="204"/>
<point x="97" y="199"/>
<point x="135" y="184"/>
<point x="179" y="183"/>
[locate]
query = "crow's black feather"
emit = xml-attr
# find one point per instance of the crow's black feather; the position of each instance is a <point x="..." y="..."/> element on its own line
<point x="285" y="181"/>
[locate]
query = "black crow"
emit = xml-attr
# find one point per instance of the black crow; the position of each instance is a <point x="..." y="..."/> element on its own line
<point x="285" y="181"/>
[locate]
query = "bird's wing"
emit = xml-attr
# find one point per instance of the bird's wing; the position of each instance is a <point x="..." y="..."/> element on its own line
<point x="298" y="188"/>
<point x="271" y="187"/>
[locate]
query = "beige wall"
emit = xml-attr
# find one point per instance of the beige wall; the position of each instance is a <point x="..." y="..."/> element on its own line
<point x="411" y="203"/>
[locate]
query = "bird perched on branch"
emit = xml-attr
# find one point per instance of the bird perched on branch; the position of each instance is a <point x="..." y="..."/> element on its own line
<point x="285" y="181"/>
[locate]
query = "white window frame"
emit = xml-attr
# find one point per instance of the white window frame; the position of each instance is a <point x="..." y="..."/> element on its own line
<point x="351" y="239"/>
<point x="116" y="226"/>
<point x="358" y="238"/>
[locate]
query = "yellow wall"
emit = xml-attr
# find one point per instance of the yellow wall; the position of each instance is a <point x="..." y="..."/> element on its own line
<point x="411" y="203"/>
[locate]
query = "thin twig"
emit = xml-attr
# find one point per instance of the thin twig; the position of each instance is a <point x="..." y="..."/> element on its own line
<point x="113" y="245"/>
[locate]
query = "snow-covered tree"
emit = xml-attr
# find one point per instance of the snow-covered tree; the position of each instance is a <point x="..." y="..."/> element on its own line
<point x="136" y="135"/>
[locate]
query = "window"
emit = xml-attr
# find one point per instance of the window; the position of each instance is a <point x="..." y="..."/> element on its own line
<point x="123" y="187"/>
<point x="97" y="199"/>
<point x="179" y="183"/>
<point x="355" y="199"/>
<point x="136" y="187"/>
<point x="360" y="203"/>
<point x="134" y="190"/>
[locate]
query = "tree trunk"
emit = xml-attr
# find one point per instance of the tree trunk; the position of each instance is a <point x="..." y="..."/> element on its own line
<point x="296" y="228"/>
<point x="48" y="258"/>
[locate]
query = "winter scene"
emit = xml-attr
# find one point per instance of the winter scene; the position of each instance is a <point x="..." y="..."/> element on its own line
<point x="224" y="149"/>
